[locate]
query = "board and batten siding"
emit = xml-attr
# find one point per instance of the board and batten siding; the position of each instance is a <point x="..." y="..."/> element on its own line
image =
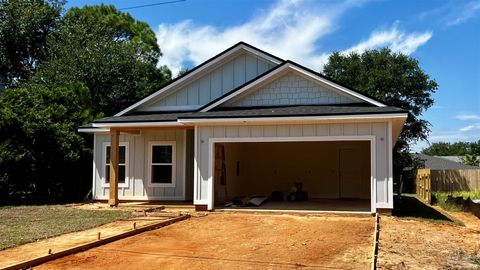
<point x="383" y="181"/>
<point x="291" y="89"/>
<point x="212" y="85"/>
<point x="138" y="187"/>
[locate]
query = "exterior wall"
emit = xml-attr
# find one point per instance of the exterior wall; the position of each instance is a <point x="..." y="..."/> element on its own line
<point x="291" y="89"/>
<point x="137" y="187"/>
<point x="214" y="84"/>
<point x="381" y="133"/>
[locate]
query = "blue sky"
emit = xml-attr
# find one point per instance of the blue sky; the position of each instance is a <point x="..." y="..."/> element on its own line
<point x="443" y="35"/>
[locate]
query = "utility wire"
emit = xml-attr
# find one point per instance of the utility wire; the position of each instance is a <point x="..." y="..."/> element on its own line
<point x="151" y="5"/>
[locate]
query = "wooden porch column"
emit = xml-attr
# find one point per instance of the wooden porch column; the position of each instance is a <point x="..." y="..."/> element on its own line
<point x="114" y="157"/>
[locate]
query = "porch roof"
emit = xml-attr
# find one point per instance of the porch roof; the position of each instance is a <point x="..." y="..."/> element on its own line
<point x="254" y="112"/>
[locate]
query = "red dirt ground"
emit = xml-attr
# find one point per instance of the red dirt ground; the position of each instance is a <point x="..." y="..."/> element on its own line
<point x="414" y="244"/>
<point x="238" y="241"/>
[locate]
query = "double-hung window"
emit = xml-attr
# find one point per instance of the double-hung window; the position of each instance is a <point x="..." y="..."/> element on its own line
<point x="122" y="164"/>
<point x="161" y="164"/>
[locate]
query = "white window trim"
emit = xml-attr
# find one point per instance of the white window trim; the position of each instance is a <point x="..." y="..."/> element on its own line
<point x="173" y="144"/>
<point x="104" y="157"/>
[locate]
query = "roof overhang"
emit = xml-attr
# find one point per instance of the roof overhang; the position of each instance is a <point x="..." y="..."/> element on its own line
<point x="137" y="124"/>
<point x="93" y="130"/>
<point x="292" y="118"/>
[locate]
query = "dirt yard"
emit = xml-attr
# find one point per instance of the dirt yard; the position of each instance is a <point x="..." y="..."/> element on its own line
<point x="238" y="241"/>
<point x="412" y="244"/>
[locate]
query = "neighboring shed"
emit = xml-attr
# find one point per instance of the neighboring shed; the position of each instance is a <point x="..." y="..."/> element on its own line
<point x="447" y="175"/>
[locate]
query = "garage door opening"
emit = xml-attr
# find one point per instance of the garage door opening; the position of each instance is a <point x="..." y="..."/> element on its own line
<point x="310" y="176"/>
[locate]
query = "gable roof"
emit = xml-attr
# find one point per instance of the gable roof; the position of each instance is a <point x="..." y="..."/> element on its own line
<point x="440" y="163"/>
<point x="209" y="63"/>
<point x="296" y="67"/>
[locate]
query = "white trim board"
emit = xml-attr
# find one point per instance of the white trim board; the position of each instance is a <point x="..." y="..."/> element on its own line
<point x="104" y="184"/>
<point x="288" y="65"/>
<point x="370" y="138"/>
<point x="93" y="130"/>
<point x="291" y="118"/>
<point x="138" y="124"/>
<point x="173" y="144"/>
<point x="212" y="63"/>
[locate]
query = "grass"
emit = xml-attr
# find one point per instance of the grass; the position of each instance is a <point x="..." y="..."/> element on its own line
<point x="24" y="224"/>
<point x="409" y="206"/>
<point x="440" y="198"/>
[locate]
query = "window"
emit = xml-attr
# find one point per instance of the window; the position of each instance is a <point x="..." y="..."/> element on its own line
<point x="162" y="164"/>
<point x="122" y="165"/>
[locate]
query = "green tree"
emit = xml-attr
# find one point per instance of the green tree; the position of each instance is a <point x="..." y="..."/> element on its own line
<point x="470" y="159"/>
<point x="24" y="28"/>
<point x="39" y="144"/>
<point x="183" y="71"/>
<point x="452" y="149"/>
<point x="109" y="51"/>
<point x="395" y="79"/>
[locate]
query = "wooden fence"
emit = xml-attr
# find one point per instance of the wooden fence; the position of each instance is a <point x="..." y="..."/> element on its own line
<point x="455" y="180"/>
<point x="423" y="190"/>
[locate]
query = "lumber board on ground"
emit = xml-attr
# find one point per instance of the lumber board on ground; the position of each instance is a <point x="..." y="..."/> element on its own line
<point x="56" y="255"/>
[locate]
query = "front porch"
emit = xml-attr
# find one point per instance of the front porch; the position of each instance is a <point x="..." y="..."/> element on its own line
<point x="143" y="164"/>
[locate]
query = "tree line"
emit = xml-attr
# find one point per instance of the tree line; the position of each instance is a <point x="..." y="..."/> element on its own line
<point x="469" y="151"/>
<point x="58" y="70"/>
<point x="62" y="68"/>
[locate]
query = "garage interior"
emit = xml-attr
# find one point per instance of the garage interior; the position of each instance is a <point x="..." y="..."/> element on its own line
<point x="311" y="176"/>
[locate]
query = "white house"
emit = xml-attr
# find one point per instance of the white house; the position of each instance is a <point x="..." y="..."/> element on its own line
<point x="247" y="123"/>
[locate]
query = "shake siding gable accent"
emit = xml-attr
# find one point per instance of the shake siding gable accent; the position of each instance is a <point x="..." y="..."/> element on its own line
<point x="291" y="89"/>
<point x="210" y="86"/>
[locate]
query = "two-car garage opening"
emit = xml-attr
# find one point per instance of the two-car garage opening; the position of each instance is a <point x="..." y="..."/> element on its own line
<point x="293" y="175"/>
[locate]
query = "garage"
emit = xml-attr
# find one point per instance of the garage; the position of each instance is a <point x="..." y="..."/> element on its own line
<point x="306" y="175"/>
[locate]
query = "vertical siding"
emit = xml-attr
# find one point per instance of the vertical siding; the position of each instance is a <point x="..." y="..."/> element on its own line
<point x="379" y="130"/>
<point x="214" y="84"/>
<point x="138" y="187"/>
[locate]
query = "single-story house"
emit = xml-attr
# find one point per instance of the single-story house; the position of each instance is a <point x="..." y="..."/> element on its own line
<point x="246" y="123"/>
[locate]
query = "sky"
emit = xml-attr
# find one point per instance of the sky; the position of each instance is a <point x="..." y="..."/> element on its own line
<point x="443" y="35"/>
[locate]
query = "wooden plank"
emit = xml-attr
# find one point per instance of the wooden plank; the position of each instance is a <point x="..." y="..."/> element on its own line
<point x="455" y="180"/>
<point x="376" y="234"/>
<point x="56" y="255"/>
<point x="423" y="184"/>
<point x="114" y="156"/>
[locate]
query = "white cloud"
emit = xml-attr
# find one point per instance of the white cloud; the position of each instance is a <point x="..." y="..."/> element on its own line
<point x="395" y="39"/>
<point x="464" y="13"/>
<point x="467" y="116"/>
<point x="471" y="127"/>
<point x="290" y="29"/>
